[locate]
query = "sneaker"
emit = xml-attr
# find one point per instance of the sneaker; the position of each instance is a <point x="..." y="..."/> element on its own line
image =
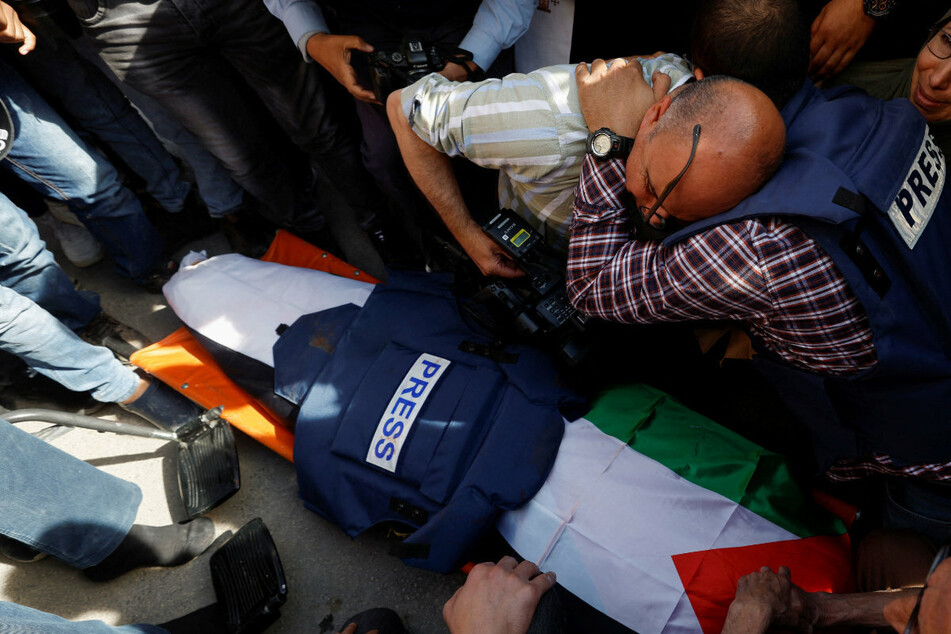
<point x="78" y="245"/>
<point x="18" y="551"/>
<point x="106" y="331"/>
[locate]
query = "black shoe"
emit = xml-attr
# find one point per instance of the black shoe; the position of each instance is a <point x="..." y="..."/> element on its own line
<point x="179" y="228"/>
<point x="106" y="331"/>
<point x="155" y="279"/>
<point x="29" y="389"/>
<point x="381" y="620"/>
<point x="163" y="407"/>
<point x="247" y="233"/>
<point x="18" y="551"/>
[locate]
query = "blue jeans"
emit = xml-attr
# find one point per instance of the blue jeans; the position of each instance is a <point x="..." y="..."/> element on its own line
<point x="920" y="506"/>
<point x="38" y="306"/>
<point x="60" y="505"/>
<point x="99" y="107"/>
<point x="65" y="507"/>
<point x="187" y="54"/>
<point x="217" y="190"/>
<point x="49" y="156"/>
<point x="23" y="619"/>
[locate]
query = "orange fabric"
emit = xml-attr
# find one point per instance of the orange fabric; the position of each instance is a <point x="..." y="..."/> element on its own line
<point x="181" y="362"/>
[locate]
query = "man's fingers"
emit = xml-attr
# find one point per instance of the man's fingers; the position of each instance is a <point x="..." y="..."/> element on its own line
<point x="581" y="71"/>
<point x="508" y="563"/>
<point x="29" y="41"/>
<point x="527" y="569"/>
<point x="358" y="43"/>
<point x="545" y="581"/>
<point x="660" y="84"/>
<point x="598" y="66"/>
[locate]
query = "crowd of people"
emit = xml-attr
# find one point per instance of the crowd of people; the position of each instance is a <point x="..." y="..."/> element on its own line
<point x="745" y="183"/>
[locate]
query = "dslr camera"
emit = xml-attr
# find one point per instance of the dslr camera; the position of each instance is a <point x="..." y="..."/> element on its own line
<point x="392" y="70"/>
<point x="536" y="305"/>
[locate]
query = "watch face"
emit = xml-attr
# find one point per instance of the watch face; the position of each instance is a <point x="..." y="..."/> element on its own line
<point x="601" y="144"/>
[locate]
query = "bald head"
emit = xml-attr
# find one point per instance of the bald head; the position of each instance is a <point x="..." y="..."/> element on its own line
<point x="740" y="147"/>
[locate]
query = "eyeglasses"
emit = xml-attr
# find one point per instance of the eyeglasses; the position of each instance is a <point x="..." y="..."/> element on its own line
<point x="649" y="213"/>
<point x="940" y="45"/>
<point x="943" y="554"/>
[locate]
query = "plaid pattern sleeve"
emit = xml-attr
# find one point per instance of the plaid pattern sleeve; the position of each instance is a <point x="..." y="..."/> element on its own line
<point x="763" y="272"/>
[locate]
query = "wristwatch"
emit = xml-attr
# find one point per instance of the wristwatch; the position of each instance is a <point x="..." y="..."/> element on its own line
<point x="878" y="8"/>
<point x="604" y="144"/>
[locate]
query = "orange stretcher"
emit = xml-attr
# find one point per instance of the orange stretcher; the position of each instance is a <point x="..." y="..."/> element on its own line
<point x="181" y="362"/>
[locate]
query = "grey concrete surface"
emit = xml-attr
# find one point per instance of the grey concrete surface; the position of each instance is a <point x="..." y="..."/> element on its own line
<point x="329" y="575"/>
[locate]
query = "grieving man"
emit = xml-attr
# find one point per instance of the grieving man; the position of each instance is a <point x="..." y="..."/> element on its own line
<point x="832" y="267"/>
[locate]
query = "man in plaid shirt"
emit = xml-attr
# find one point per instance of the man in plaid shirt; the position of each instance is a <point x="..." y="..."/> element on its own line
<point x="847" y="311"/>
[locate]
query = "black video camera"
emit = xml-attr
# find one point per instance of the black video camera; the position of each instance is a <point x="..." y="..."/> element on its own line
<point x="392" y="70"/>
<point x="536" y="305"/>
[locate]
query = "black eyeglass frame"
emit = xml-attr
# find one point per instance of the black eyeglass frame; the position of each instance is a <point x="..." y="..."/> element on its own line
<point x="943" y="553"/>
<point x="931" y="39"/>
<point x="649" y="213"/>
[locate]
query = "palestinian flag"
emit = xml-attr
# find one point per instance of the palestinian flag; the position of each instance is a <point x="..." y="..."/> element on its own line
<point x="652" y="512"/>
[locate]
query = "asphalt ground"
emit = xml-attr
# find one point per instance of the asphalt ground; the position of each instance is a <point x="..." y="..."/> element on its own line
<point x="329" y="576"/>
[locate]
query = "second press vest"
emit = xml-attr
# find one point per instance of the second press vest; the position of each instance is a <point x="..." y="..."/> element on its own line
<point x="863" y="178"/>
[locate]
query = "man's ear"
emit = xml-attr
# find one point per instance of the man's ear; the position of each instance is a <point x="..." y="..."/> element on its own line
<point x="653" y="114"/>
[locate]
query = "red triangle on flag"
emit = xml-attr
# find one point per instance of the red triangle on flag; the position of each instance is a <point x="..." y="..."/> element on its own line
<point x="820" y="563"/>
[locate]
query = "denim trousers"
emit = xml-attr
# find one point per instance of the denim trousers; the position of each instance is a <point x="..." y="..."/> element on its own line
<point x="95" y="103"/>
<point x="38" y="308"/>
<point x="49" y="156"/>
<point x="208" y="62"/>
<point x="20" y="619"/>
<point x="59" y="504"/>
<point x="63" y="506"/>
<point x="217" y="190"/>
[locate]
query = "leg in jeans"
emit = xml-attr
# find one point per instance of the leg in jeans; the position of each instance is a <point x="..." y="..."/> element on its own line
<point x="49" y="156"/>
<point x="59" y="504"/>
<point x="217" y="190"/>
<point x="169" y="55"/>
<point x="27" y="267"/>
<point x="98" y="105"/>
<point x="23" y="619"/>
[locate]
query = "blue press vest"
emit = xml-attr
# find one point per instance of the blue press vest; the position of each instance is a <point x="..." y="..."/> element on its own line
<point x="863" y="179"/>
<point x="403" y="418"/>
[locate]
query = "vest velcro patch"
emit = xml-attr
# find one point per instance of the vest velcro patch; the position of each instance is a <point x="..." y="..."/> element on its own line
<point x="919" y="194"/>
<point x="403" y="408"/>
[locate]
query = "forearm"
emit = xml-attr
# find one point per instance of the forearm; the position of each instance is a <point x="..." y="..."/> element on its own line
<point x="743" y="619"/>
<point x="864" y="610"/>
<point x="599" y="233"/>
<point x="432" y="172"/>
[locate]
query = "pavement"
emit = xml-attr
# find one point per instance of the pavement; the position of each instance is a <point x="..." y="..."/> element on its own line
<point x="329" y="576"/>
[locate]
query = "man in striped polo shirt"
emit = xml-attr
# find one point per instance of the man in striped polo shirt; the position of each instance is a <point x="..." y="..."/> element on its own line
<point x="528" y="126"/>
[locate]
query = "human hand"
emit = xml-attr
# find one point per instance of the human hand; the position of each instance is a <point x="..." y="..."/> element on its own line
<point x="838" y="33"/>
<point x="764" y="598"/>
<point x="13" y="31"/>
<point x="333" y="52"/>
<point x="458" y="72"/>
<point x="497" y="598"/>
<point x="487" y="255"/>
<point x="617" y="96"/>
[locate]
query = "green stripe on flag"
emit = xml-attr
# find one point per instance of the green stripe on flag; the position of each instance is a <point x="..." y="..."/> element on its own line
<point x="709" y="455"/>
